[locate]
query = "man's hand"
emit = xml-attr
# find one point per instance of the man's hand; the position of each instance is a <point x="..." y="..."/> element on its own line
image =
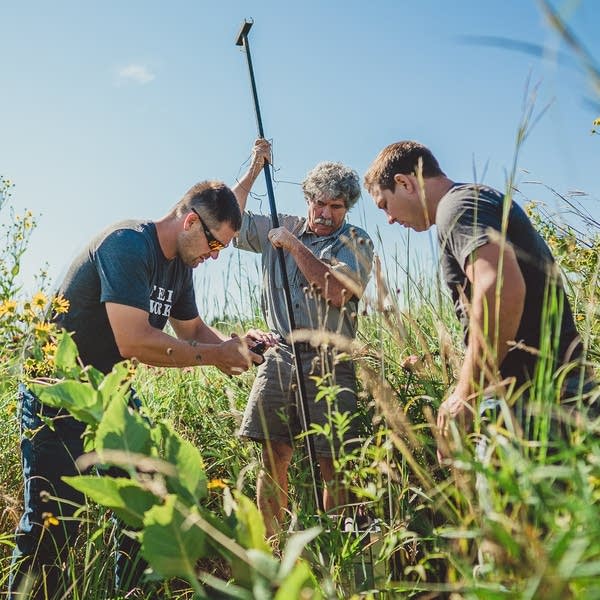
<point x="455" y="409"/>
<point x="261" y="154"/>
<point x="262" y="341"/>
<point x="234" y="356"/>
<point x="281" y="237"/>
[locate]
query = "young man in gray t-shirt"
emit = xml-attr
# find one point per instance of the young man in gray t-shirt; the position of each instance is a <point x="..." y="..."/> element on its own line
<point x="500" y="272"/>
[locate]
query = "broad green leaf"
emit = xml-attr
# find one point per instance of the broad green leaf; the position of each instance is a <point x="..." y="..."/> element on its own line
<point x="225" y="589"/>
<point x="80" y="399"/>
<point x="127" y="498"/>
<point x="121" y="429"/>
<point x="171" y="543"/>
<point x="264" y="563"/>
<point x="250" y="528"/>
<point x="117" y="383"/>
<point x="66" y="355"/>
<point x="190" y="482"/>
<point x="293" y="549"/>
<point x="300" y="578"/>
<point x="94" y="376"/>
<point x="261" y="587"/>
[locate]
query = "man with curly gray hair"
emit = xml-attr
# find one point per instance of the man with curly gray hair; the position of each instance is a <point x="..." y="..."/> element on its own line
<point x="328" y="263"/>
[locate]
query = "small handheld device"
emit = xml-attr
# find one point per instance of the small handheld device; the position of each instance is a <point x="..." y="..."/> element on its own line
<point x="258" y="348"/>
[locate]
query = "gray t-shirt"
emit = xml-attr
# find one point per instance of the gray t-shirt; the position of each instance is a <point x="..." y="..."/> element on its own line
<point x="465" y="216"/>
<point x="349" y="251"/>
<point x="125" y="265"/>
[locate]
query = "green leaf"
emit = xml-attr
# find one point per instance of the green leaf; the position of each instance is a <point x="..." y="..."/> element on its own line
<point x="171" y="543"/>
<point x="299" y="579"/>
<point x="122" y="429"/>
<point x="80" y="399"/>
<point x="293" y="549"/>
<point x="190" y="482"/>
<point x="116" y="383"/>
<point x="127" y="498"/>
<point x="94" y="376"/>
<point x="66" y="355"/>
<point x="264" y="563"/>
<point x="225" y="589"/>
<point x="250" y="528"/>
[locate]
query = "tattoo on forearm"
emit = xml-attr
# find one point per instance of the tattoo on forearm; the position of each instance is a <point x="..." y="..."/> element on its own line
<point x="194" y="344"/>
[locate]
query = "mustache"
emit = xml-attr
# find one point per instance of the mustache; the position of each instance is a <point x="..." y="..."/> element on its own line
<point x="322" y="221"/>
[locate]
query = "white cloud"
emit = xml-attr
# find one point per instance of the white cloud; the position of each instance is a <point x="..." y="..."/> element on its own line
<point x="134" y="74"/>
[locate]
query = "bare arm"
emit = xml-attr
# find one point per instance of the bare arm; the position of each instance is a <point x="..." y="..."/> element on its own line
<point x="496" y="309"/>
<point x="136" y="338"/>
<point x="196" y="329"/>
<point x="334" y="286"/>
<point x="261" y="152"/>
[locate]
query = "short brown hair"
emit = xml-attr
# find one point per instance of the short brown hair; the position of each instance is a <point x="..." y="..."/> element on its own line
<point x="215" y="201"/>
<point x="401" y="157"/>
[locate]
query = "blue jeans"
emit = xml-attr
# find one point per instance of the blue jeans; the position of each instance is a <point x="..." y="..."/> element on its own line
<point x="46" y="456"/>
<point x="41" y="547"/>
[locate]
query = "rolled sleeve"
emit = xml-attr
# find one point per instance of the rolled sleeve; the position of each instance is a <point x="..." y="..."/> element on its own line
<point x="354" y="257"/>
<point x="253" y="233"/>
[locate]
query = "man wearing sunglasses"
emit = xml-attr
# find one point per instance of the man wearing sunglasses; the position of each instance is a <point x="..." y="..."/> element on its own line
<point x="122" y="290"/>
<point x="328" y="262"/>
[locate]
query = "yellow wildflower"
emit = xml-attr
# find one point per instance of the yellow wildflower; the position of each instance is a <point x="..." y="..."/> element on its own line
<point x="49" y="348"/>
<point x="39" y="300"/>
<point x="49" y="519"/>
<point x="42" y="328"/>
<point x="60" y="305"/>
<point x="216" y="483"/>
<point x="8" y="307"/>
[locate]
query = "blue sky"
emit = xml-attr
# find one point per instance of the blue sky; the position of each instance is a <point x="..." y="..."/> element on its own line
<point x="113" y="110"/>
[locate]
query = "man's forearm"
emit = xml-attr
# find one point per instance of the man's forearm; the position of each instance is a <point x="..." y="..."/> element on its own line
<point x="243" y="186"/>
<point x="322" y="276"/>
<point x="490" y="330"/>
<point x="159" y="349"/>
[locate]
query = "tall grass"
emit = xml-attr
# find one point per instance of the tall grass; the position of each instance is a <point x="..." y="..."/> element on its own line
<point x="518" y="518"/>
<point x="536" y="536"/>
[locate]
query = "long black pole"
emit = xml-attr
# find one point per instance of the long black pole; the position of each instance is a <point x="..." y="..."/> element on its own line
<point x="242" y="40"/>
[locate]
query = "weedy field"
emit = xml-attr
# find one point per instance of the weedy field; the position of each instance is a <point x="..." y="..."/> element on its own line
<point x="521" y="522"/>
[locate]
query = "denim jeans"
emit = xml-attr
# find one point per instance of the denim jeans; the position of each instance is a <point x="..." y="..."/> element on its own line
<point x="41" y="547"/>
<point x="46" y="456"/>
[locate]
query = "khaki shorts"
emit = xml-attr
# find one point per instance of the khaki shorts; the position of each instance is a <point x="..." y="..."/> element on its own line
<point x="272" y="413"/>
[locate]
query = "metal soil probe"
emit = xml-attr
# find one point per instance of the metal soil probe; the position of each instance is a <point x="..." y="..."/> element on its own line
<point x="242" y="40"/>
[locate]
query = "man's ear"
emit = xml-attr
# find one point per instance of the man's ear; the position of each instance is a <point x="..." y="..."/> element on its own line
<point x="189" y="221"/>
<point x="404" y="181"/>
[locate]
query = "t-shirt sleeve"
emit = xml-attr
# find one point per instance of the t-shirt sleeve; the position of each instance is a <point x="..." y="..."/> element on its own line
<point x="464" y="226"/>
<point x="353" y="258"/>
<point x="185" y="307"/>
<point x="124" y="267"/>
<point x="253" y="233"/>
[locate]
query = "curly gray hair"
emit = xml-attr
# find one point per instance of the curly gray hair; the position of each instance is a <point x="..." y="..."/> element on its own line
<point x="332" y="181"/>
